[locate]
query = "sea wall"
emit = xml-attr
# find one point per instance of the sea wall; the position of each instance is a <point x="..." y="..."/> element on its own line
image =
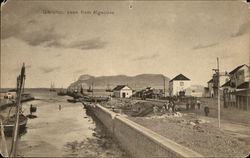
<point x="139" y="141"/>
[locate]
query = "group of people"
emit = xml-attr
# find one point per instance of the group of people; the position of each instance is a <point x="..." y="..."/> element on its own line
<point x="198" y="103"/>
<point x="192" y="104"/>
<point x="170" y="107"/>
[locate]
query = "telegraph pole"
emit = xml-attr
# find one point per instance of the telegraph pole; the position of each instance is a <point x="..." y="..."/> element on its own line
<point x="218" y="75"/>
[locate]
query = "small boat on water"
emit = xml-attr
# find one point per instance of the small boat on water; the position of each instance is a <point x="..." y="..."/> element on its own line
<point x="26" y="97"/>
<point x="90" y="89"/>
<point x="52" y="87"/>
<point x="9" y="124"/>
<point x="61" y="93"/>
<point x="108" y="89"/>
<point x="72" y="100"/>
<point x="15" y="124"/>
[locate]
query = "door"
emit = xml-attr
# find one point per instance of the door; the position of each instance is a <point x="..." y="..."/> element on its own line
<point x="124" y="95"/>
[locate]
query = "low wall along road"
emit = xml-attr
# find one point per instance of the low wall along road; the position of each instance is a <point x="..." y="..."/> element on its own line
<point x="139" y="141"/>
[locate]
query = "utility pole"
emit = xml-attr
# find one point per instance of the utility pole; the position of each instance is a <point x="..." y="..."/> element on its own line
<point x="92" y="89"/>
<point x="218" y="74"/>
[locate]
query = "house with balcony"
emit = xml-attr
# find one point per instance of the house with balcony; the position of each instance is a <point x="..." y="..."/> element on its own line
<point x="236" y="91"/>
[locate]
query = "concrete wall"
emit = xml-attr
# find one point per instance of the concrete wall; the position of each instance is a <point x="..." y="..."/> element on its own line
<point x="139" y="141"/>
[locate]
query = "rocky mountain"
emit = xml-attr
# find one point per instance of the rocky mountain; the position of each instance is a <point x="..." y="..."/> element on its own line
<point x="136" y="82"/>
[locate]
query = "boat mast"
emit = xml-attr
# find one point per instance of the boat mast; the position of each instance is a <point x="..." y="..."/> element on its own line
<point x="92" y="89"/>
<point x="20" y="87"/>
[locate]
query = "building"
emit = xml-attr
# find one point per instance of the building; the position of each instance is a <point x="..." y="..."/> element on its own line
<point x="179" y="85"/>
<point x="196" y="90"/>
<point x="122" y="91"/>
<point x="240" y="76"/>
<point x="11" y="94"/>
<point x="236" y="91"/>
<point x="211" y="88"/>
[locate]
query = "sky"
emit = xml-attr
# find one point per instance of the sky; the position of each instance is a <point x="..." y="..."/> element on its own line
<point x="160" y="37"/>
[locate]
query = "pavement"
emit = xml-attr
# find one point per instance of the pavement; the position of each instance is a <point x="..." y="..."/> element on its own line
<point x="239" y="130"/>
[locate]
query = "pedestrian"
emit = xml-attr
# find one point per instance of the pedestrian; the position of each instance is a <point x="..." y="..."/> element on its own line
<point x="163" y="109"/>
<point x="206" y="110"/>
<point x="198" y="104"/>
<point x="31" y="109"/>
<point x="59" y="107"/>
<point x="165" y="106"/>
<point x="187" y="106"/>
<point x="169" y="106"/>
<point x="155" y="109"/>
<point x="173" y="106"/>
<point x="193" y="106"/>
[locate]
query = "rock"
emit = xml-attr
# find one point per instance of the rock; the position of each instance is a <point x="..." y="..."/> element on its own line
<point x="192" y="123"/>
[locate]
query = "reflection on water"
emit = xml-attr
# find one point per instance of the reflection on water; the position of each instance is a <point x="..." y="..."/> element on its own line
<point x="64" y="132"/>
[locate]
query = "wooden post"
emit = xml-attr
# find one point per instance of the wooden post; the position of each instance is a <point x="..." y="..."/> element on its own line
<point x="20" y="87"/>
<point x="218" y="72"/>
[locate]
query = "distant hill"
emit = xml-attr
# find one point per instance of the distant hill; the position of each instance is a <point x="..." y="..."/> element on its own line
<point x="136" y="82"/>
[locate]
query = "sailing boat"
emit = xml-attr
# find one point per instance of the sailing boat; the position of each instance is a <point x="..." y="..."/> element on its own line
<point x="61" y="92"/>
<point x="90" y="88"/>
<point x="17" y="122"/>
<point x="108" y="88"/>
<point x="52" y="87"/>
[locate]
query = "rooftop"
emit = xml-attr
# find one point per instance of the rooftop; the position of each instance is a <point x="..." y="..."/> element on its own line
<point x="237" y="68"/>
<point x="179" y="77"/>
<point x="120" y="87"/>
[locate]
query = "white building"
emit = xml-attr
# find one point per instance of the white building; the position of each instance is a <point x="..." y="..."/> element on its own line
<point x="179" y="84"/>
<point x="11" y="94"/>
<point x="122" y="91"/>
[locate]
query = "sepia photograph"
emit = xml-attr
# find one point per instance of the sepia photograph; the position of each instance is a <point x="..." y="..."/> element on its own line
<point x="125" y="78"/>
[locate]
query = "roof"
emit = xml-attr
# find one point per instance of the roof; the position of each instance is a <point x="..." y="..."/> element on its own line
<point x="245" y="92"/>
<point x="227" y="84"/>
<point x="120" y="87"/>
<point x="243" y="85"/>
<point x="210" y="81"/>
<point x="236" y="69"/>
<point x="179" y="77"/>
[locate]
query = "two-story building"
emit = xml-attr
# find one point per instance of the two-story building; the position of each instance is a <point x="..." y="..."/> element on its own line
<point x="179" y="85"/>
<point x="236" y="91"/>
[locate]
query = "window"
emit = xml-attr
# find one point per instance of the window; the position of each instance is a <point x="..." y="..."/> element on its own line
<point x="181" y="83"/>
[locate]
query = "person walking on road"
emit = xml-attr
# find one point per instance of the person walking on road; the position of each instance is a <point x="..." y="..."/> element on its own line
<point x="206" y="110"/>
<point x="198" y="104"/>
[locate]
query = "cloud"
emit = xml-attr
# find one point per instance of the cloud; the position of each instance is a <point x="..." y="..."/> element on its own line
<point x="49" y="69"/>
<point x="46" y="37"/>
<point x="243" y="28"/>
<point x="202" y="46"/>
<point x="94" y="43"/>
<point x="147" y="57"/>
<point x="28" y="32"/>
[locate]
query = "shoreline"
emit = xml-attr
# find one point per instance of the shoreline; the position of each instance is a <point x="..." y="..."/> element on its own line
<point x="5" y="105"/>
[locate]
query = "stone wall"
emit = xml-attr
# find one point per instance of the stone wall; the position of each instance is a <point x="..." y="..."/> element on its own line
<point x="139" y="141"/>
